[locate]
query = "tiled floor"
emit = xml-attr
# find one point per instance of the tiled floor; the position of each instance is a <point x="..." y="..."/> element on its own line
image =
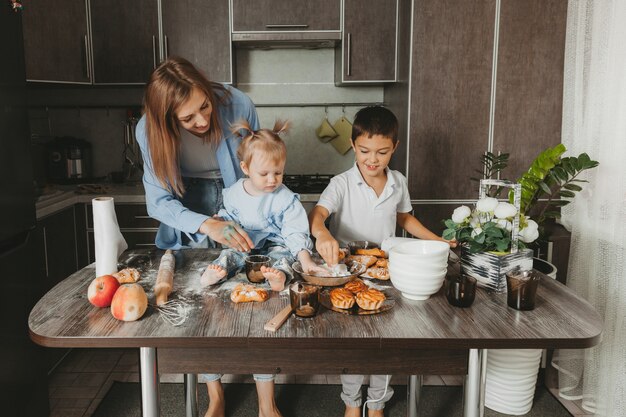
<point x="84" y="376"/>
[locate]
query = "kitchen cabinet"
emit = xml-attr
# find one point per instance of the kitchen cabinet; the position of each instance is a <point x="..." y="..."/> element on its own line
<point x="199" y="31"/>
<point x="286" y="15"/>
<point x="136" y="226"/>
<point x="56" y="41"/>
<point x="125" y="40"/>
<point x="58" y="233"/>
<point x="368" y="52"/>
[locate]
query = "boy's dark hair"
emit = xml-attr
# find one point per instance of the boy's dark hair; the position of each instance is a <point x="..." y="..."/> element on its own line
<point x="375" y="120"/>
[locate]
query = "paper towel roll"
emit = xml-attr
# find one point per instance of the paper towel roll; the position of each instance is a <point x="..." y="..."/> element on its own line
<point x="109" y="242"/>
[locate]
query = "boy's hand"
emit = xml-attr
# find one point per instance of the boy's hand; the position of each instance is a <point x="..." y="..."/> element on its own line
<point x="328" y="248"/>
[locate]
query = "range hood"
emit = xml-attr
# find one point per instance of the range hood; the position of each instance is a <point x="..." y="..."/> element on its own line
<point x="295" y="39"/>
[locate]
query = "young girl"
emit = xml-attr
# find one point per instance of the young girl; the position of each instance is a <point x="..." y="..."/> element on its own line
<point x="265" y="209"/>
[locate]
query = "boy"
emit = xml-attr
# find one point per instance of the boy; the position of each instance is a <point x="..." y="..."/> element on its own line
<point x="367" y="202"/>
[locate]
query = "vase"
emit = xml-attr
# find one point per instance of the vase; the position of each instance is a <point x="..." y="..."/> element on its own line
<point x="511" y="377"/>
<point x="490" y="269"/>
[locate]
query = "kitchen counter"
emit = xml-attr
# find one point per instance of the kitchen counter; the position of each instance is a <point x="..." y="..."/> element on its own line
<point x="66" y="196"/>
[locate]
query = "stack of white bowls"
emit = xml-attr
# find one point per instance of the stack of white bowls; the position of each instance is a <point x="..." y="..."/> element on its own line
<point x="510" y="380"/>
<point x="418" y="268"/>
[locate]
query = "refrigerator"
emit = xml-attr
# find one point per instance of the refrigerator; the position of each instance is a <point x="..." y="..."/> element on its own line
<point x="23" y="378"/>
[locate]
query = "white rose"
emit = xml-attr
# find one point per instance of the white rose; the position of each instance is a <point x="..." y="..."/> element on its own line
<point x="505" y="210"/>
<point x="460" y="214"/>
<point x="504" y="224"/>
<point x="528" y="234"/>
<point x="487" y="204"/>
<point x="531" y="224"/>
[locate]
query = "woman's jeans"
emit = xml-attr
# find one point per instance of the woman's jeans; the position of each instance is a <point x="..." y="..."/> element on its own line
<point x="204" y="196"/>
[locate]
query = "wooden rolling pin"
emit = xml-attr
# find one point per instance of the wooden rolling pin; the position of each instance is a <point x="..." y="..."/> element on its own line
<point x="165" y="278"/>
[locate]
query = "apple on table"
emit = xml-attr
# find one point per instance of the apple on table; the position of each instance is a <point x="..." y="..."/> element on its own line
<point x="102" y="289"/>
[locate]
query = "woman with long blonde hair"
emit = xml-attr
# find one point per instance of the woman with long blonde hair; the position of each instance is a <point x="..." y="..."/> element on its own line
<point x="190" y="155"/>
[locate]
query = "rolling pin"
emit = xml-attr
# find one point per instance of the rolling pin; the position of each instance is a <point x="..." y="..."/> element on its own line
<point x="275" y="322"/>
<point x="165" y="278"/>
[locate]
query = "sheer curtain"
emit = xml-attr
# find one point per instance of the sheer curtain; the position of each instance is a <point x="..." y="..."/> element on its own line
<point x="594" y="121"/>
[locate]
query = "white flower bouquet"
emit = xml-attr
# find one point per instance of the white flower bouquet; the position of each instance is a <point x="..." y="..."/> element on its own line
<point x="489" y="226"/>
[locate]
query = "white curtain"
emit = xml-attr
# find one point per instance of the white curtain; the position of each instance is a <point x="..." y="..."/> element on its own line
<point x="594" y="121"/>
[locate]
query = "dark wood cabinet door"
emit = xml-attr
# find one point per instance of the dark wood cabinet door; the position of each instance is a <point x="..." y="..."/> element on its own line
<point x="450" y="97"/>
<point x="529" y="95"/>
<point x="199" y="31"/>
<point x="369" y="41"/>
<point x="56" y="41"/>
<point x="262" y="15"/>
<point x="125" y="39"/>
<point x="59" y="237"/>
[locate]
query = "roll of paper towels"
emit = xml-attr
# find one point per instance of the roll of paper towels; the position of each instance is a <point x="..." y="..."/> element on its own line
<point x="109" y="242"/>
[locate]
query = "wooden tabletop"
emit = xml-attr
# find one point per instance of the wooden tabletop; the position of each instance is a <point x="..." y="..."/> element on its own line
<point x="65" y="318"/>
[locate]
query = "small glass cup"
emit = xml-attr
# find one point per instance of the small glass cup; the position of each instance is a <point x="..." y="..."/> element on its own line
<point x="304" y="299"/>
<point x="461" y="290"/>
<point x="253" y="267"/>
<point x="521" y="289"/>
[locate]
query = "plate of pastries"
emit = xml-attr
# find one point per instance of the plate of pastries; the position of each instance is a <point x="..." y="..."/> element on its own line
<point x="356" y="297"/>
<point x="372" y="257"/>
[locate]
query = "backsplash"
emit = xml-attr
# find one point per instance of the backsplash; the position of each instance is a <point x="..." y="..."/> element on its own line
<point x="293" y="84"/>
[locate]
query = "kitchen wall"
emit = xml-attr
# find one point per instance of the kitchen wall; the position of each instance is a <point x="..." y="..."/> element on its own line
<point x="293" y="84"/>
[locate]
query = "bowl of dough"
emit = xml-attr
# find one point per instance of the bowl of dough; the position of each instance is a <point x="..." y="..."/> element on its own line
<point x="344" y="271"/>
<point x="418" y="268"/>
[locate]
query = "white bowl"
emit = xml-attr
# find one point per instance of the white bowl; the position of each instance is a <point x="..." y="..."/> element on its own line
<point x="390" y="242"/>
<point x="417" y="266"/>
<point x="416" y="288"/>
<point x="422" y="273"/>
<point x="425" y="250"/>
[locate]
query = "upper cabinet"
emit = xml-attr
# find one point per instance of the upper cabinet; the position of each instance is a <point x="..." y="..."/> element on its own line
<point x="125" y="39"/>
<point x="286" y="15"/>
<point x="199" y="30"/>
<point x="56" y="42"/>
<point x="368" y="53"/>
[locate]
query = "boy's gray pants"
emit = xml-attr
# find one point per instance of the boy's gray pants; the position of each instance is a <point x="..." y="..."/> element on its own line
<point x="351" y="392"/>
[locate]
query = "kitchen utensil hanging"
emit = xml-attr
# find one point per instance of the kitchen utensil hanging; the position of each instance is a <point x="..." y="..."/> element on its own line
<point x="343" y="142"/>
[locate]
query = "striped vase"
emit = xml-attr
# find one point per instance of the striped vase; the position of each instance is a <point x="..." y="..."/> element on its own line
<point x="490" y="269"/>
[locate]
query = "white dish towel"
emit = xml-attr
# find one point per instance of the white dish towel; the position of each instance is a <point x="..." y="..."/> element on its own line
<point x="109" y="242"/>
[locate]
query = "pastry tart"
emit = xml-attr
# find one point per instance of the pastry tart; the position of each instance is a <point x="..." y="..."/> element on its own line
<point x="341" y="298"/>
<point x="370" y="299"/>
<point x="243" y="293"/>
<point x="356" y="286"/>
<point x="127" y="276"/>
<point x="366" y="260"/>
<point x="382" y="262"/>
<point x="379" y="253"/>
<point x="378" y="273"/>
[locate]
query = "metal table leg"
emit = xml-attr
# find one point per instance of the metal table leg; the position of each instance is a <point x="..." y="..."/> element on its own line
<point x="413" y="394"/>
<point x="474" y="386"/>
<point x="191" y="395"/>
<point x="149" y="374"/>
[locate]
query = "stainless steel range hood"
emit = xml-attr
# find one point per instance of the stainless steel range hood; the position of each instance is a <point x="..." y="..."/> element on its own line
<point x="299" y="39"/>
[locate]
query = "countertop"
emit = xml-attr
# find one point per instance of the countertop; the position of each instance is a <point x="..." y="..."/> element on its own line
<point x="65" y="196"/>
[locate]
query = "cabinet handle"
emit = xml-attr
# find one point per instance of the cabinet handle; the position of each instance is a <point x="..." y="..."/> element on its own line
<point x="286" y="26"/>
<point x="45" y="251"/>
<point x="349" y="54"/>
<point x="143" y="217"/>
<point x="154" y="63"/>
<point x="87" y="58"/>
<point x="167" y="49"/>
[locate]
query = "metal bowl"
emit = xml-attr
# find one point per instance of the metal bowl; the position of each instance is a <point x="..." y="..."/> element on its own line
<point x="355" y="269"/>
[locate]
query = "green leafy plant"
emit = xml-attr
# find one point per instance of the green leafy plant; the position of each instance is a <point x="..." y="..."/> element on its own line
<point x="492" y="166"/>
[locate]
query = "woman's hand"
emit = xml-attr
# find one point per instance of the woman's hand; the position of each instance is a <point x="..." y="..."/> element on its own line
<point x="229" y="234"/>
<point x="328" y="248"/>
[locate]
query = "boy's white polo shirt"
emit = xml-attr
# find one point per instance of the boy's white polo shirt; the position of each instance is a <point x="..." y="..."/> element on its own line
<point x="357" y="213"/>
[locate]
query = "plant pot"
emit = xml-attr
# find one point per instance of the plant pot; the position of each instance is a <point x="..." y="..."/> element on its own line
<point x="490" y="269"/>
<point x="545" y="267"/>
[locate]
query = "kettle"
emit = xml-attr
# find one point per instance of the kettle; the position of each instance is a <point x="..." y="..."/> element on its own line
<point x="69" y="160"/>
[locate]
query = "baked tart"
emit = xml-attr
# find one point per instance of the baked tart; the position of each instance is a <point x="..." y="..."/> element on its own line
<point x="356" y="286"/>
<point x="341" y="298"/>
<point x="378" y="273"/>
<point x="379" y="253"/>
<point x="370" y="299"/>
<point x="366" y="260"/>
<point x="244" y="293"/>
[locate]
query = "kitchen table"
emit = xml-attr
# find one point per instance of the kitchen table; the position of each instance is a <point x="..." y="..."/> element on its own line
<point x="412" y="338"/>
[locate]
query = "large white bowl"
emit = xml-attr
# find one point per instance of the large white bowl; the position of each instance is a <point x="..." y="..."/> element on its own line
<point x="417" y="288"/>
<point x="419" y="272"/>
<point x="430" y="250"/>
<point x="418" y="266"/>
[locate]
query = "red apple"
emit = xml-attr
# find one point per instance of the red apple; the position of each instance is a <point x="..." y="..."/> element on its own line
<point x="129" y="303"/>
<point x="102" y="289"/>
